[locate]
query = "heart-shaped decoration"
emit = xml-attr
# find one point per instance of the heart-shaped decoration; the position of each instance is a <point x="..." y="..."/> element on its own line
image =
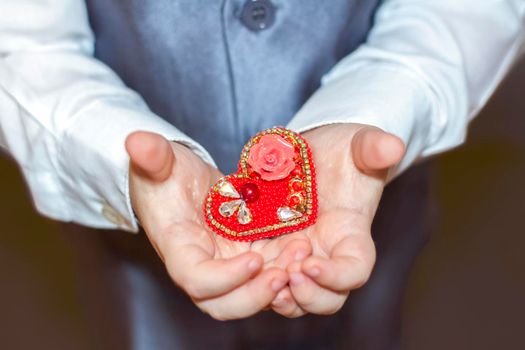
<point x="272" y="193"/>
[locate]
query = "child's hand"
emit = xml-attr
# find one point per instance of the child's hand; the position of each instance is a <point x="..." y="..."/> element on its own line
<point x="351" y="163"/>
<point x="226" y="279"/>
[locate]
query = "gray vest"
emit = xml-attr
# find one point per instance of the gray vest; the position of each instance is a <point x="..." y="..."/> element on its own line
<point x="221" y="70"/>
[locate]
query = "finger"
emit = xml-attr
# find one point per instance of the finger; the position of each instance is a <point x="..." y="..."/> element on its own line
<point x="294" y="250"/>
<point x="348" y="267"/>
<point x="285" y="305"/>
<point x="339" y="274"/>
<point x="249" y="298"/>
<point x="281" y="249"/>
<point x="374" y="149"/>
<point x="189" y="257"/>
<point x="210" y="278"/>
<point x="150" y="154"/>
<point x="310" y="296"/>
<point x="281" y="252"/>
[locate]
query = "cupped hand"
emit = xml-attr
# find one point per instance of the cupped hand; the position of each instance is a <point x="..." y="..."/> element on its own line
<point x="226" y="279"/>
<point x="351" y="165"/>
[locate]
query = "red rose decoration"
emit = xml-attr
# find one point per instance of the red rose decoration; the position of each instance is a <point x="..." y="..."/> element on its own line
<point x="272" y="157"/>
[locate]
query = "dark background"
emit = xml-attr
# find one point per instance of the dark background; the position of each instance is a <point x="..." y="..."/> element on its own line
<point x="467" y="290"/>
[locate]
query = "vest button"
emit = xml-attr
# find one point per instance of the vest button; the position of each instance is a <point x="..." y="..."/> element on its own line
<point x="258" y="15"/>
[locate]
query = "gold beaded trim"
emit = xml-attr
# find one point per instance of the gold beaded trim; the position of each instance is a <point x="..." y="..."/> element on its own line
<point x="296" y="140"/>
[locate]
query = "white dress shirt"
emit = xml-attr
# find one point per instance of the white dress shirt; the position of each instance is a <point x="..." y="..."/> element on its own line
<point x="427" y="67"/>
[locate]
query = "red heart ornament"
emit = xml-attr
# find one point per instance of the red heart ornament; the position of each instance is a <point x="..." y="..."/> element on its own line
<point x="272" y="193"/>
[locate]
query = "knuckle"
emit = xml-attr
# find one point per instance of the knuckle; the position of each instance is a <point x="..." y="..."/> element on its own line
<point x="307" y="303"/>
<point x="211" y="311"/>
<point x="368" y="252"/>
<point x="365" y="251"/>
<point x="218" y="316"/>
<point x="362" y="279"/>
<point x="354" y="280"/>
<point x="296" y="313"/>
<point x="330" y="311"/>
<point x="228" y="315"/>
<point x="287" y="309"/>
<point x="333" y="308"/>
<point x="365" y="271"/>
<point x="357" y="276"/>
<point x="194" y="289"/>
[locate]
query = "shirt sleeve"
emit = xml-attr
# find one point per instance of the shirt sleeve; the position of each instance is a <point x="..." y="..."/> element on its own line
<point x="64" y="115"/>
<point x="425" y="70"/>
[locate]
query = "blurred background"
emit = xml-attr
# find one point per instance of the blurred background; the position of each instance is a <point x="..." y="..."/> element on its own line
<point x="466" y="291"/>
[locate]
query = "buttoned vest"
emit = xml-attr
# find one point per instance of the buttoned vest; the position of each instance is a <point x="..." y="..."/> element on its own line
<point x="221" y="70"/>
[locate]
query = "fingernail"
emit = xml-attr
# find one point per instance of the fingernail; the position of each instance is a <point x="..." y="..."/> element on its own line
<point x="314" y="271"/>
<point x="277" y="285"/>
<point x="300" y="255"/>
<point x="296" y="278"/>
<point x="254" y="265"/>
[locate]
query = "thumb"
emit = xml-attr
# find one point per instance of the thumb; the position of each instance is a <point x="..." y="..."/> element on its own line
<point x="374" y="150"/>
<point x="151" y="155"/>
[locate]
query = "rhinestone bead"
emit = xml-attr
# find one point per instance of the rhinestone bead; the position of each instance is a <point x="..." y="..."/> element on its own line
<point x="244" y="216"/>
<point x="287" y="214"/>
<point x="226" y="189"/>
<point x="228" y="208"/>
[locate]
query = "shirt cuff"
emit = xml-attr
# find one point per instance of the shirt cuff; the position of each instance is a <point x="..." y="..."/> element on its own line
<point x="387" y="96"/>
<point x="94" y="165"/>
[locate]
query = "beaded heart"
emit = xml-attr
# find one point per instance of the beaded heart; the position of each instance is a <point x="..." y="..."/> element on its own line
<point x="272" y="193"/>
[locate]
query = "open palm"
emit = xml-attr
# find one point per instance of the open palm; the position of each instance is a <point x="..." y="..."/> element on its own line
<point x="351" y="162"/>
<point x="168" y="184"/>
